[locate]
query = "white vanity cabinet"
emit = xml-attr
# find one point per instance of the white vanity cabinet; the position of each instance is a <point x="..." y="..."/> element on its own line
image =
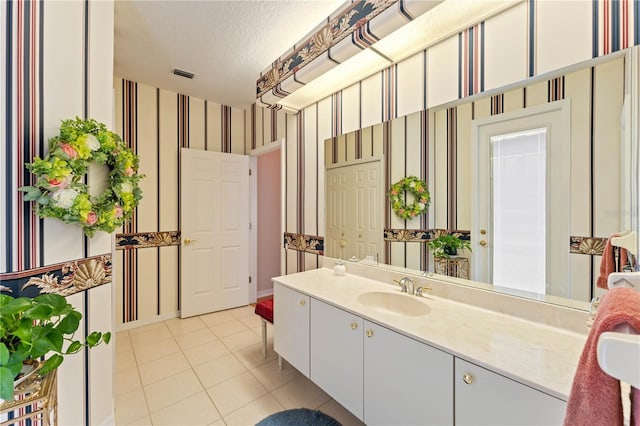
<point x="336" y="354"/>
<point x="291" y="334"/>
<point x="486" y="398"/>
<point x="379" y="375"/>
<point x="405" y="381"/>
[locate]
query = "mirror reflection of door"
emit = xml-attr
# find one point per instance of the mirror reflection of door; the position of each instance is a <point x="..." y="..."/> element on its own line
<point x="517" y="243"/>
<point x="354" y="208"/>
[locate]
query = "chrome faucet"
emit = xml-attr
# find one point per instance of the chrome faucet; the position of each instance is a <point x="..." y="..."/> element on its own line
<point x="406" y="284"/>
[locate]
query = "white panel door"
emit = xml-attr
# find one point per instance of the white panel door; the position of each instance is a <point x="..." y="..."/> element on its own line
<point x="336" y="213"/>
<point x="214" y="223"/>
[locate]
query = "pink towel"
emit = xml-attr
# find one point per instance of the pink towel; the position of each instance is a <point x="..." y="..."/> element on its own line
<point x="635" y="407"/>
<point x="608" y="263"/>
<point x="595" y="396"/>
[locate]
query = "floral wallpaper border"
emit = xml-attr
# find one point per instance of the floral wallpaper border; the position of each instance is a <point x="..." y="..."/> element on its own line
<point x="587" y="245"/>
<point x="64" y="279"/>
<point x="306" y="243"/>
<point x="344" y="24"/>
<point x="147" y="240"/>
<point x="421" y="235"/>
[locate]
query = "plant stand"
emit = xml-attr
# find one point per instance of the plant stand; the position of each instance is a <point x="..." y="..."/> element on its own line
<point x="457" y="267"/>
<point x="36" y="398"/>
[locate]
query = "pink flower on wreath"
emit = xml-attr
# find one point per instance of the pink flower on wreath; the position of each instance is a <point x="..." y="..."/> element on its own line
<point x="394" y="192"/>
<point x="129" y="171"/>
<point x="117" y="211"/>
<point x="69" y="150"/>
<point x="92" y="218"/>
<point x="58" y="183"/>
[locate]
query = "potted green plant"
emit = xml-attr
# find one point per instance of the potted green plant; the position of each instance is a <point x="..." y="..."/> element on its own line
<point x="447" y="245"/>
<point x="31" y="328"/>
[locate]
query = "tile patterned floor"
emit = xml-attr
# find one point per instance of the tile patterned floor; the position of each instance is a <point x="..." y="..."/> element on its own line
<point x="208" y="370"/>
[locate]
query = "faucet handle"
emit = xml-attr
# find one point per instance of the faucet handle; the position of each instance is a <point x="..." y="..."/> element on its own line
<point x="402" y="283"/>
<point x="420" y="290"/>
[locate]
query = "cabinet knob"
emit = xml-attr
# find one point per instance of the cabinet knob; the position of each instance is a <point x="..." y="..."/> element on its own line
<point x="483" y="243"/>
<point x="467" y="378"/>
<point x="354" y="325"/>
<point x="303" y="302"/>
<point x="369" y="333"/>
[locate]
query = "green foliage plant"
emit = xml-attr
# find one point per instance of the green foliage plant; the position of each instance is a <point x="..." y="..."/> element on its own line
<point x="447" y="245"/>
<point x="31" y="328"/>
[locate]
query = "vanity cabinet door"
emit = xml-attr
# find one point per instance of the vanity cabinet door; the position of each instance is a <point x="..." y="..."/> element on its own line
<point x="336" y="354"/>
<point x="487" y="398"/>
<point x="291" y="326"/>
<point x="405" y="381"/>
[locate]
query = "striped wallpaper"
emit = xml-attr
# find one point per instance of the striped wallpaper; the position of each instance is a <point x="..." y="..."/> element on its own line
<point x="467" y="64"/>
<point x="156" y="123"/>
<point x="57" y="64"/>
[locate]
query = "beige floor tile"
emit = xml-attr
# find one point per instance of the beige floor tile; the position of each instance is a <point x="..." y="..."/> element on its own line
<point x="213" y="372"/>
<point x="123" y="346"/>
<point x="172" y="389"/>
<point x="207" y="352"/>
<point x="254" y="412"/>
<point x="218" y="422"/>
<point x="195" y="338"/>
<point x="241" y="340"/>
<point x="252" y="357"/>
<point x="130" y="406"/>
<point x="151" y="336"/>
<point x="126" y="381"/>
<point x="156" y="350"/>
<point x="125" y="361"/>
<point x="159" y="369"/>
<point x="271" y="377"/>
<point x="257" y="331"/>
<point x="179" y="326"/>
<point x="235" y="393"/>
<point x="122" y="337"/>
<point x="251" y="321"/>
<point x="341" y="414"/>
<point x="300" y="392"/>
<point x="145" y="421"/>
<point x="243" y="311"/>
<point x="228" y="328"/>
<point x="195" y="410"/>
<point x="216" y="318"/>
<point x="146" y="328"/>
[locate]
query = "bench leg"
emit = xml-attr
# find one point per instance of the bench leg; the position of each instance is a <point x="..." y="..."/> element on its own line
<point x="264" y="337"/>
<point x="279" y="362"/>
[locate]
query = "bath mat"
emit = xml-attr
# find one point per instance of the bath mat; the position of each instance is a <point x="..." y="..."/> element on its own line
<point x="299" y="417"/>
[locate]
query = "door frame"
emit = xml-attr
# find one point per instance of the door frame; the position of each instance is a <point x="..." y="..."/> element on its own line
<point x="253" y="206"/>
<point x="561" y="151"/>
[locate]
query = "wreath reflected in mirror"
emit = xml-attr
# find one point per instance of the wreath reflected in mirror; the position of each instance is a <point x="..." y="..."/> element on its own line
<point x="420" y="195"/>
<point x="59" y="190"/>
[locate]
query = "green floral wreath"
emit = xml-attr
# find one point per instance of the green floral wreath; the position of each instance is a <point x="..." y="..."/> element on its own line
<point x="420" y="193"/>
<point x="59" y="190"/>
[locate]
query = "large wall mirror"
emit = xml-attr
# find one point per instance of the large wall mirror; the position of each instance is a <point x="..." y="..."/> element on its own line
<point x="542" y="171"/>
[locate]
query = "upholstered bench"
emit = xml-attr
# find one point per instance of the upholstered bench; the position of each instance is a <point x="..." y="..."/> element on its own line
<point x="264" y="310"/>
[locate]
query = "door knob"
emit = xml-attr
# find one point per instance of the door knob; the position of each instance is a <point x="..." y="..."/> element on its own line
<point x="483" y="243"/>
<point x="188" y="241"/>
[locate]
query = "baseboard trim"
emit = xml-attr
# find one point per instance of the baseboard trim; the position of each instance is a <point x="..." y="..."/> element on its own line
<point x="265" y="293"/>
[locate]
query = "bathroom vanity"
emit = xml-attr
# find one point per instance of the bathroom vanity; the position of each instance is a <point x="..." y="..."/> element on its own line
<point x="395" y="358"/>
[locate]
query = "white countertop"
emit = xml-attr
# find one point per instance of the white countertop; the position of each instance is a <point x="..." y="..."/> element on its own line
<point x="538" y="355"/>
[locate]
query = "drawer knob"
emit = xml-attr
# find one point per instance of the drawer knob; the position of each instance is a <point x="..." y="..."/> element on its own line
<point x="369" y="333"/>
<point x="467" y="378"/>
<point x="354" y="325"/>
<point x="302" y="302"/>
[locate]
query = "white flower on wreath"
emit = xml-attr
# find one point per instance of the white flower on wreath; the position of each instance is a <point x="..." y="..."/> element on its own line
<point x="64" y="198"/>
<point x="412" y="185"/>
<point x="126" y="187"/>
<point x="92" y="142"/>
<point x="421" y="206"/>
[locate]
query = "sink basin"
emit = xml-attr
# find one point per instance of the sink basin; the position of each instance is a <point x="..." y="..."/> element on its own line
<point x="394" y="303"/>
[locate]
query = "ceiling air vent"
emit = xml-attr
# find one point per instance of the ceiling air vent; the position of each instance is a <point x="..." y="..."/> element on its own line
<point x="182" y="73"/>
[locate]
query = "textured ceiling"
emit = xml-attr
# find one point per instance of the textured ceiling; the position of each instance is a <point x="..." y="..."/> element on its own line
<point x="225" y="43"/>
